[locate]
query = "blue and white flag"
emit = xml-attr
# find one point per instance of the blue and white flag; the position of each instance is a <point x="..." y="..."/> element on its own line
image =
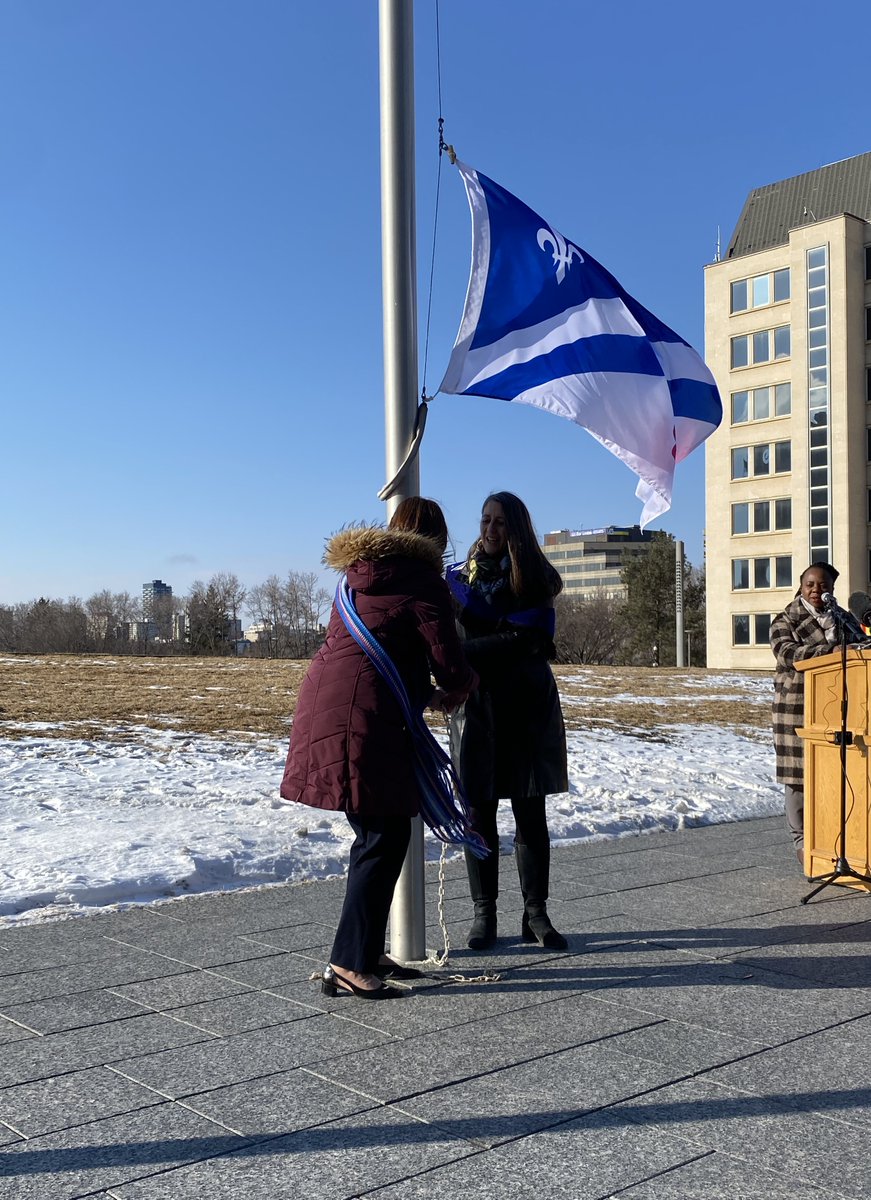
<point x="545" y="324"/>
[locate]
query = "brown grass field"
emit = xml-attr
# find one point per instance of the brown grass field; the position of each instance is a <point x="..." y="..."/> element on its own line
<point x="104" y="696"/>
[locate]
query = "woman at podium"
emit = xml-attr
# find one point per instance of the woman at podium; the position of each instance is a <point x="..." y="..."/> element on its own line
<point x="805" y="629"/>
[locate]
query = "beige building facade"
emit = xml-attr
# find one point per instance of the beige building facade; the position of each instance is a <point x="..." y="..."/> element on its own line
<point x="788" y="338"/>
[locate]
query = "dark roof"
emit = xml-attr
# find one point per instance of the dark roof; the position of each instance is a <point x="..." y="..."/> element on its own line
<point x="771" y="211"/>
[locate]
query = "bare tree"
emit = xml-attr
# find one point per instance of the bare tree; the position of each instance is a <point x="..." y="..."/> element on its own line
<point x="589" y="631"/>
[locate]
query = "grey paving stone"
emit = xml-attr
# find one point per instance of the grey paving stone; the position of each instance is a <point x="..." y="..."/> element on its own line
<point x="55" y="1053"/>
<point x="819" y="1074"/>
<point x="520" y="1100"/>
<point x="585" y="1159"/>
<point x="118" y="965"/>
<point x="338" y="1160"/>
<point x="760" y="1131"/>
<point x="195" y="945"/>
<point x="35" y="953"/>
<point x="282" y="1103"/>
<point x="688" y="1047"/>
<point x="835" y="957"/>
<point x="198" y="1068"/>
<point x="105" y="1154"/>
<point x="72" y="1012"/>
<point x="743" y="1001"/>
<point x="235" y="1014"/>
<point x="717" y="1175"/>
<point x="72" y="1099"/>
<point x="10" y="1032"/>
<point x="293" y="937"/>
<point x="419" y="1064"/>
<point x="191" y="987"/>
<point x="272" y="973"/>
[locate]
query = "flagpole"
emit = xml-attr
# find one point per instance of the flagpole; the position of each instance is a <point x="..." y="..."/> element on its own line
<point x="399" y="303"/>
<point x="678" y="605"/>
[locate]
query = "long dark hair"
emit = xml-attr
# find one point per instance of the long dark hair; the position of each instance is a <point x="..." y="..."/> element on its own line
<point x="533" y="579"/>
<point x="417" y="514"/>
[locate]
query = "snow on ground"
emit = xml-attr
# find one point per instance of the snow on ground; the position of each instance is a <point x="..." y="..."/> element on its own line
<point x="148" y="813"/>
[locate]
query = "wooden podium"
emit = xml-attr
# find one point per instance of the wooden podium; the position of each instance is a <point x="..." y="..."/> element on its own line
<point x="822" y="763"/>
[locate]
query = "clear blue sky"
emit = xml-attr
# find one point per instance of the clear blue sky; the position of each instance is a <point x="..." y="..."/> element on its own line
<point x="190" y="304"/>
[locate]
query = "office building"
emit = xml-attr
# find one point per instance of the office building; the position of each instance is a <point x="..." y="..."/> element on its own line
<point x="591" y="561"/>
<point x="788" y="338"/>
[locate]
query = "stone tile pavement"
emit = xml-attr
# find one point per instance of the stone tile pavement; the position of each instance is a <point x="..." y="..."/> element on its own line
<point x="705" y="1035"/>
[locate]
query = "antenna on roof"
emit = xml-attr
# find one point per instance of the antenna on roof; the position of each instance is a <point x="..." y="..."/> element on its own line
<point x="717" y="259"/>
<point x="808" y="212"/>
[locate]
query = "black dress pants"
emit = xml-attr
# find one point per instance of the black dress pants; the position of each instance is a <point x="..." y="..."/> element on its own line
<point x="376" y="860"/>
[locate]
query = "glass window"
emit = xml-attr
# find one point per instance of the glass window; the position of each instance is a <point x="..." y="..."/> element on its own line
<point x="761" y="346"/>
<point x="869" y="504"/>
<point x="819" y="516"/>
<point x="761" y="460"/>
<point x="740" y="462"/>
<point x="868" y="384"/>
<point x="740" y="351"/>
<point x="819" y="477"/>
<point x="816" y="297"/>
<point x="868" y="324"/>
<point x="816" y="257"/>
<point x="783" y="570"/>
<point x="819" y="436"/>
<point x="820" y="541"/>
<point x="819" y="458"/>
<point x="783" y="514"/>
<point x="868" y="444"/>
<point x="868" y="276"/>
<point x="783" y="400"/>
<point x="782" y="342"/>
<point x="781" y="285"/>
<point x="818" y="377"/>
<point x="762" y="628"/>
<point x="761" y="516"/>
<point x="817" y="337"/>
<point x="740" y="407"/>
<point x="819" y="497"/>
<point x="739" y="295"/>
<point x="740" y="518"/>
<point x="818" y="398"/>
<point x="818" y="358"/>
<point x="761" y="404"/>
<point x="761" y="290"/>
<point x="741" y="630"/>
<point x="762" y="572"/>
<point x="740" y="573"/>
<point x="783" y="456"/>
<point x="816" y="318"/>
<point x="816" y="277"/>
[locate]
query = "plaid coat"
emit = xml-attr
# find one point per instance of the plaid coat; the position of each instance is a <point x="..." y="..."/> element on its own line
<point x="795" y="636"/>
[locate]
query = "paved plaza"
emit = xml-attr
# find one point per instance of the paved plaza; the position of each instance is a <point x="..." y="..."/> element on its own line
<point x="705" y="1035"/>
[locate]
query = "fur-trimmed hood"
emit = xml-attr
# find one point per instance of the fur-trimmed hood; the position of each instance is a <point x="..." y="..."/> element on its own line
<point x="368" y="543"/>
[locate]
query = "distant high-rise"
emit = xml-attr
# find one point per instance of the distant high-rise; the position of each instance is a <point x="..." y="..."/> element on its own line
<point x="591" y="561"/>
<point x="157" y="606"/>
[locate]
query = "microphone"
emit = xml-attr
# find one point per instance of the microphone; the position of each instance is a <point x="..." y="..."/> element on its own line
<point x="860" y="607"/>
<point x="829" y="602"/>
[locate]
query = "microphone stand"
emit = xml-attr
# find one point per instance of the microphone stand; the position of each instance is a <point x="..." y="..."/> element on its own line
<point x="843" y="739"/>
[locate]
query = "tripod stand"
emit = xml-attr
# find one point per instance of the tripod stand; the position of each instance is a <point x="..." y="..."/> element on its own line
<point x="843" y="738"/>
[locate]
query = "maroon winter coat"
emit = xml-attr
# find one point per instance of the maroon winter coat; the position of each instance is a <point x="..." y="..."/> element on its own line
<point x="350" y="749"/>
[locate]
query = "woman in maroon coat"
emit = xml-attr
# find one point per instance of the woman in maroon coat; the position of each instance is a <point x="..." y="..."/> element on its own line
<point x="350" y="750"/>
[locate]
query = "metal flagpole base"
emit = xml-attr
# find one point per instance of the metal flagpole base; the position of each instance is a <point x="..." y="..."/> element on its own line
<point x="408" y="913"/>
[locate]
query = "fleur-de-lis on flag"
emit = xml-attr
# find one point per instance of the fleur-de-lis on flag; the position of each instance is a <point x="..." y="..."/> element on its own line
<point x="563" y="251"/>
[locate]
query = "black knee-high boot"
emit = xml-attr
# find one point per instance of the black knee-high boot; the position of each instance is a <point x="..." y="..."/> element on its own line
<point x="533" y="867"/>
<point x="484" y="887"/>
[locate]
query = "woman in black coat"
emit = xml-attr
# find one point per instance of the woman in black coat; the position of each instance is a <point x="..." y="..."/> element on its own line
<point x="508" y="739"/>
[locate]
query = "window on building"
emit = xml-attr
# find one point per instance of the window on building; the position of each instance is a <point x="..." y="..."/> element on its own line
<point x="740" y="462"/>
<point x="783" y="514"/>
<point x="740" y="407"/>
<point x="740" y="351"/>
<point x="762" y="628"/>
<point x="761" y="460"/>
<point x="783" y="570"/>
<point x="782" y="342"/>
<point x="740" y="573"/>
<point x="762" y="346"/>
<point x="760" y="290"/>
<point x="761" y="516"/>
<point x="782" y="456"/>
<point x="868" y="444"/>
<point x="782" y="399"/>
<point x="761" y="404"/>
<point x="762" y="572"/>
<point x="740" y="518"/>
<point x="740" y="629"/>
<point x="868" y="262"/>
<point x="868" y="324"/>
<point x="868" y="384"/>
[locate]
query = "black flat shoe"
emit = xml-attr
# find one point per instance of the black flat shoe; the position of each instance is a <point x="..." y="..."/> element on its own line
<point x="333" y="984"/>
<point x="395" y="971"/>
